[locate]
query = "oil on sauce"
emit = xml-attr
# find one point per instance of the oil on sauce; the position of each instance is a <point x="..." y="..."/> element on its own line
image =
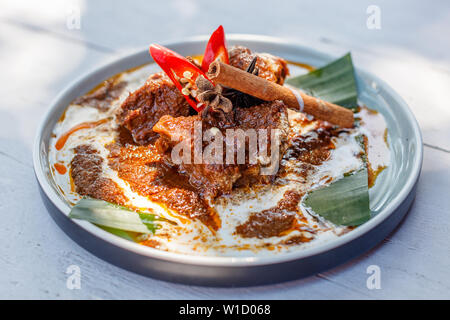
<point x="85" y="125"/>
<point x="60" y="168"/>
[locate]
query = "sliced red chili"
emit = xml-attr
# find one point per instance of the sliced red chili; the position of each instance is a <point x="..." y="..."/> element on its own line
<point x="216" y="48"/>
<point x="180" y="70"/>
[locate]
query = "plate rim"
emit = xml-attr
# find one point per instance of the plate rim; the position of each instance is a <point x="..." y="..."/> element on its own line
<point x="149" y="252"/>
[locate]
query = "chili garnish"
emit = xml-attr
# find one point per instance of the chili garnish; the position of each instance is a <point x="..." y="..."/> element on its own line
<point x="181" y="71"/>
<point x="215" y="49"/>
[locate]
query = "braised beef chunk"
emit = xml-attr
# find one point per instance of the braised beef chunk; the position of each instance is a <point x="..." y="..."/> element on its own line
<point x="86" y="171"/>
<point x="103" y="97"/>
<point x="143" y="168"/>
<point x="271" y="116"/>
<point x="215" y="173"/>
<point x="274" y="221"/>
<point x="269" y="67"/>
<point x="145" y="106"/>
<point x="137" y="165"/>
<point x="210" y="179"/>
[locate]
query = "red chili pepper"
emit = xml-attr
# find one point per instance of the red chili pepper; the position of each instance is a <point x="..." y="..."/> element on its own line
<point x="216" y="48"/>
<point x="178" y="68"/>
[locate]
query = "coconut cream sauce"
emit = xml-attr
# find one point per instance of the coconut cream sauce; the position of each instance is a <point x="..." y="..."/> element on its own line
<point x="193" y="237"/>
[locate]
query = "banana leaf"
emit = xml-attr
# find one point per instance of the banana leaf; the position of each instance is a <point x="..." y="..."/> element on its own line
<point x="128" y="235"/>
<point x="334" y="82"/>
<point x="344" y="202"/>
<point x="113" y="216"/>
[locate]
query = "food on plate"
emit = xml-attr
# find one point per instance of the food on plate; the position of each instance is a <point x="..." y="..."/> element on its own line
<point x="233" y="153"/>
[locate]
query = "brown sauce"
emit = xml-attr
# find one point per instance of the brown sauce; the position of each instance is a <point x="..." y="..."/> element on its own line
<point x="102" y="96"/>
<point x="312" y="150"/>
<point x="309" y="150"/>
<point x="272" y="222"/>
<point x="297" y="240"/>
<point x="86" y="172"/>
<point x="85" y="125"/>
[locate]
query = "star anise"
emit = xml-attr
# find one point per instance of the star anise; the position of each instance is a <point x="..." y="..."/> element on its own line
<point x="240" y="99"/>
<point x="216" y="104"/>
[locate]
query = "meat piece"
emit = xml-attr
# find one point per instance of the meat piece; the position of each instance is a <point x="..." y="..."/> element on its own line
<point x="272" y="222"/>
<point x="137" y="165"/>
<point x="270" y="116"/>
<point x="145" y="106"/>
<point x="214" y="173"/>
<point x="86" y="171"/>
<point x="143" y="168"/>
<point x="210" y="179"/>
<point x="269" y="67"/>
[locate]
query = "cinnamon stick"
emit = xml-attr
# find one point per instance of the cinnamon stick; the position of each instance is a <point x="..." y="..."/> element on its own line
<point x="261" y="88"/>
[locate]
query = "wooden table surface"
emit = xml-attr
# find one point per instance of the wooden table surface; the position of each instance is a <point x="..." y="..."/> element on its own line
<point x="41" y="52"/>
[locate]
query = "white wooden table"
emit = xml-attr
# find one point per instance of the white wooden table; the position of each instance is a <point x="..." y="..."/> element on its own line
<point x="41" y="52"/>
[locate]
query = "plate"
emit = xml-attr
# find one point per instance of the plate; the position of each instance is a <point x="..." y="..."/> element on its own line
<point x="390" y="198"/>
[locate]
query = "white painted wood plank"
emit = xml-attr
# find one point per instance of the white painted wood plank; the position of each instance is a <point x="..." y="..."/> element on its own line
<point x="117" y="24"/>
<point x="35" y="67"/>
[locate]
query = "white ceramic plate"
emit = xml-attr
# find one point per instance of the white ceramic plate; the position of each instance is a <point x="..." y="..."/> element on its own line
<point x="390" y="198"/>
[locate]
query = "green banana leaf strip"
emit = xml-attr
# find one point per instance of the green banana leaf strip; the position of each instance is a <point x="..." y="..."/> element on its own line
<point x="128" y="235"/>
<point x="109" y="215"/>
<point x="334" y="82"/>
<point x="344" y="202"/>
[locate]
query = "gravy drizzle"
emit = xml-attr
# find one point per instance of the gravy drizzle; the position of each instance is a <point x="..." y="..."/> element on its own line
<point x="84" y="125"/>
